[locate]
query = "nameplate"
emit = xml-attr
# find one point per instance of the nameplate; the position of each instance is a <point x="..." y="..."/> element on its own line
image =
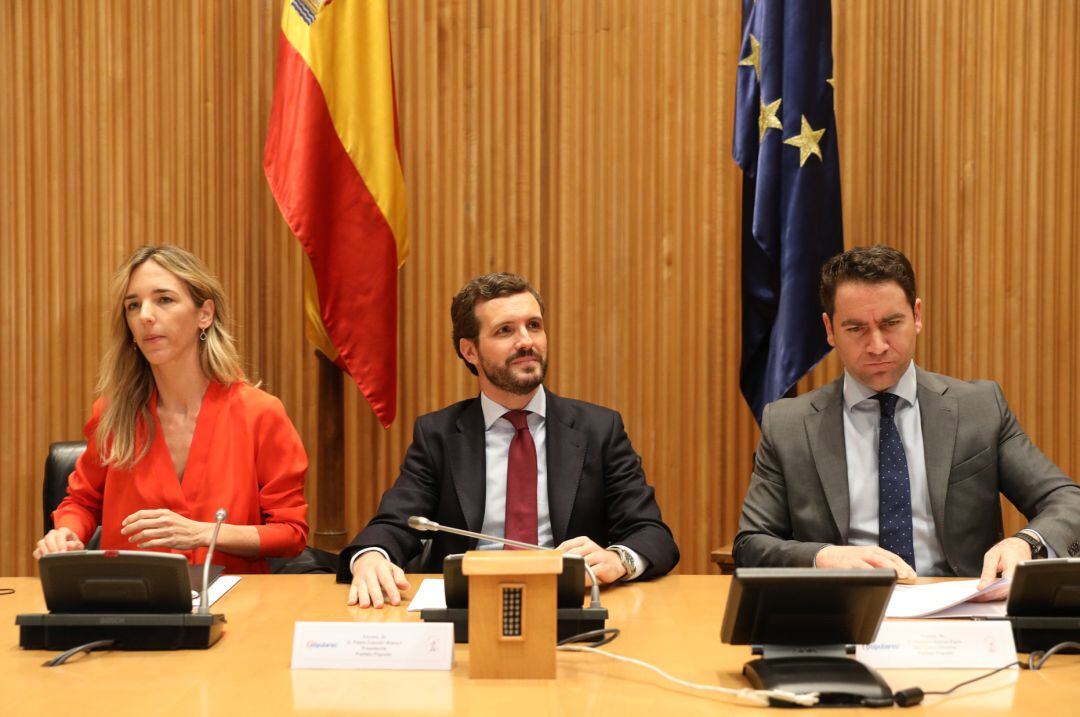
<point x="940" y="644"/>
<point x="373" y="646"/>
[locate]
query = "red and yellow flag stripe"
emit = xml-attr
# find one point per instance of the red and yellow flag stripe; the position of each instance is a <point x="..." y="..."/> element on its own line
<point x="333" y="164"/>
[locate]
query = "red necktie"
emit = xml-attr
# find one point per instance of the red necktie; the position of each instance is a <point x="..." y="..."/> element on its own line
<point x="521" y="481"/>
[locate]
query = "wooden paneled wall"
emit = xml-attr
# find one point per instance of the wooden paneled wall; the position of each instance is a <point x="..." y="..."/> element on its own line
<point x="585" y="144"/>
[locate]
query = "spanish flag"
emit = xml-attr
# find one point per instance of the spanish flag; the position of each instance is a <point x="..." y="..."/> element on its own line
<point x="333" y="162"/>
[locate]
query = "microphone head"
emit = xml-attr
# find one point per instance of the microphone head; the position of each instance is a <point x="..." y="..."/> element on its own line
<point x="220" y="515"/>
<point x="418" y="522"/>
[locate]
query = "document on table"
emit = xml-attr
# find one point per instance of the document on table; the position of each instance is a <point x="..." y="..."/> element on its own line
<point x="430" y="594"/>
<point x="217" y="588"/>
<point x="945" y="599"/>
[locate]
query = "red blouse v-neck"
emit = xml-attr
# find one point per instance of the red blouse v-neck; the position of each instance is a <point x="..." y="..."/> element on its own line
<point x="245" y="456"/>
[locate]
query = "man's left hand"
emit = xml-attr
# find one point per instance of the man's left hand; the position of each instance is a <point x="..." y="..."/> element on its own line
<point x="162" y="528"/>
<point x="1002" y="560"/>
<point x="605" y="563"/>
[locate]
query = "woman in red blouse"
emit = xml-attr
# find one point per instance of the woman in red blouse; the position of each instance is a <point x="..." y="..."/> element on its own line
<point x="178" y="433"/>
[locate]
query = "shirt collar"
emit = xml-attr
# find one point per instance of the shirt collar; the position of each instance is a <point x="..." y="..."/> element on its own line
<point x="493" y="410"/>
<point x="907" y="389"/>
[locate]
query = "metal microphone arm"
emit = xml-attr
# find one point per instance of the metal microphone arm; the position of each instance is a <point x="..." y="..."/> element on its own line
<point x="418" y="522"/>
<point x="219" y="518"/>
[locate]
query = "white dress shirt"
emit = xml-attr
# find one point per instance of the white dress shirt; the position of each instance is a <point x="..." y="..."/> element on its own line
<point x="498" y="433"/>
<point x="862" y="418"/>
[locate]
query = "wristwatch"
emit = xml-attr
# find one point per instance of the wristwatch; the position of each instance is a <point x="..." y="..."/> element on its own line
<point x="1038" y="550"/>
<point x="628" y="560"/>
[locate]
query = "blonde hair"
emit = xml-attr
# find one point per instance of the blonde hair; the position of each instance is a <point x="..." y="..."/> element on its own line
<point x="127" y="382"/>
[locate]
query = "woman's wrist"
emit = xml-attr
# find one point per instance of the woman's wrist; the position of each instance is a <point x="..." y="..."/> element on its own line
<point x="206" y="532"/>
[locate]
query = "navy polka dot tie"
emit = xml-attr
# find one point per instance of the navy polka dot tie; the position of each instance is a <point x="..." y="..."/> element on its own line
<point x="894" y="487"/>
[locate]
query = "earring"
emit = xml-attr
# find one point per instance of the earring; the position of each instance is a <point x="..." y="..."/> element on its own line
<point x="202" y="335"/>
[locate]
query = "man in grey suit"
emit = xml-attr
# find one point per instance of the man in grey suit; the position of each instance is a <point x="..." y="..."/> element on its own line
<point x="893" y="466"/>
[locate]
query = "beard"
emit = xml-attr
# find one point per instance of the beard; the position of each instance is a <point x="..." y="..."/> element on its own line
<point x="502" y="377"/>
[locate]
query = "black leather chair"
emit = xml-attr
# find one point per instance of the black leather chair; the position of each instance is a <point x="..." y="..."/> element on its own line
<point x="60" y="464"/>
<point x="311" y="560"/>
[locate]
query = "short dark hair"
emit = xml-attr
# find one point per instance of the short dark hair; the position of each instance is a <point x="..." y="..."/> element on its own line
<point x="871" y="264"/>
<point x="483" y="288"/>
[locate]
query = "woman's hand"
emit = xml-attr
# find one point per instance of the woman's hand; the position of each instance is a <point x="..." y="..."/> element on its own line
<point x="162" y="528"/>
<point x="59" y="540"/>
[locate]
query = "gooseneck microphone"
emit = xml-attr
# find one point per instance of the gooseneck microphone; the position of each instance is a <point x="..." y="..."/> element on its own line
<point x="204" y="605"/>
<point x="418" y="522"/>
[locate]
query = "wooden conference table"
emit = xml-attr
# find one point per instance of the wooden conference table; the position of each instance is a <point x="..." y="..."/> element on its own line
<point x="673" y="623"/>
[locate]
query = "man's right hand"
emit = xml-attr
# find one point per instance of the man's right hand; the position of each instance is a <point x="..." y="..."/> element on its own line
<point x="59" y="540"/>
<point x="373" y="578"/>
<point x="862" y="556"/>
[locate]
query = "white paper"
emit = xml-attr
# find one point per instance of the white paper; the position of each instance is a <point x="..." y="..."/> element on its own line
<point x="968" y="610"/>
<point x="940" y="644"/>
<point x="430" y="594"/>
<point x="909" y="601"/>
<point x="373" y="645"/>
<point x="219" y="587"/>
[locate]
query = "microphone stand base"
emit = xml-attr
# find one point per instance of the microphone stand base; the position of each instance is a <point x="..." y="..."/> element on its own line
<point x="840" y="681"/>
<point x="1041" y="633"/>
<point x="130" y="631"/>
<point x="569" y="621"/>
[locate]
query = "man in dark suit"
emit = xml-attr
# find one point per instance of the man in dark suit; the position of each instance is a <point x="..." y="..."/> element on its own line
<point x="892" y="466"/>
<point x="516" y="462"/>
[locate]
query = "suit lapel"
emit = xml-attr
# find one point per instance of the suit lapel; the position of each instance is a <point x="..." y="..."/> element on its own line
<point x="468" y="464"/>
<point x="565" y="447"/>
<point x="825" y="429"/>
<point x="938" y="417"/>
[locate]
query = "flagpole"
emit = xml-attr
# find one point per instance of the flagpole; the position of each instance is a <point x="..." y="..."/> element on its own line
<point x="330" y="487"/>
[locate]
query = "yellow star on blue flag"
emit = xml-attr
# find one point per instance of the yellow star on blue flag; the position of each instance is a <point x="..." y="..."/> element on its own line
<point x="807" y="141"/>
<point x="792" y="218"/>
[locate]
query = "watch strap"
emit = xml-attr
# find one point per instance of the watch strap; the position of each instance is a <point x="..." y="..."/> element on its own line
<point x="628" y="560"/>
<point x="1038" y="548"/>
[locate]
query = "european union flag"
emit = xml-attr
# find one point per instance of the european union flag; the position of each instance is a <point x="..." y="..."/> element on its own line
<point x="786" y="144"/>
